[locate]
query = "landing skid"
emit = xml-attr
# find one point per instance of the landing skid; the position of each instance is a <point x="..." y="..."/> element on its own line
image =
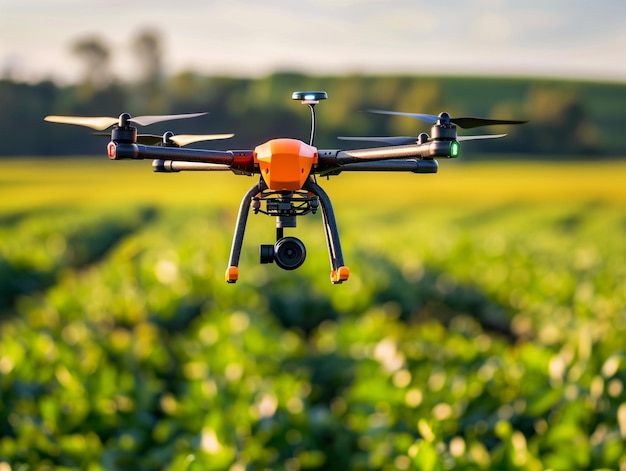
<point x="286" y="206"/>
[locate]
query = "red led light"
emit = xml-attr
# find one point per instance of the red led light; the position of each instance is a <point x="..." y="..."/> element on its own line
<point x="111" y="148"/>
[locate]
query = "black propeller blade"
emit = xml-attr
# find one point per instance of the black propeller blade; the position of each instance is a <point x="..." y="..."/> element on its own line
<point x="445" y="118"/>
<point x="407" y="140"/>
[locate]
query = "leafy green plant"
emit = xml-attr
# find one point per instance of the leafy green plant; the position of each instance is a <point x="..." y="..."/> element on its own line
<point x="478" y="336"/>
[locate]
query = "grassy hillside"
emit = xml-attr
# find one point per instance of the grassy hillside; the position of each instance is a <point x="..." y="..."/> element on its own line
<point x="482" y="326"/>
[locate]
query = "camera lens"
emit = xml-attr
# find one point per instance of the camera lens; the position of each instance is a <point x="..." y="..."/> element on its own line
<point x="289" y="253"/>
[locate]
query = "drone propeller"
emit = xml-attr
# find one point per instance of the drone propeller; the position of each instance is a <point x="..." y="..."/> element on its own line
<point x="480" y="136"/>
<point x="179" y="139"/>
<point x="100" y="123"/>
<point x="407" y="140"/>
<point x="186" y="139"/>
<point x="464" y="122"/>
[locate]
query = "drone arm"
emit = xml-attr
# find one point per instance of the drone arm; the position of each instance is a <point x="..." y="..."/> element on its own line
<point x="399" y="165"/>
<point x="123" y="150"/>
<point x="172" y="166"/>
<point x="428" y="150"/>
<point x="416" y="158"/>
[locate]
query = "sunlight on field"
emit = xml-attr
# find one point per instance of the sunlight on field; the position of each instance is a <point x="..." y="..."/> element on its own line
<point x="36" y="183"/>
<point x="492" y="182"/>
<point x="33" y="183"/>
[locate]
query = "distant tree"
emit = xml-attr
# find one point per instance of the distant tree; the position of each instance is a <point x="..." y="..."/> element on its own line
<point x="148" y="51"/>
<point x="96" y="56"/>
<point x="560" y="122"/>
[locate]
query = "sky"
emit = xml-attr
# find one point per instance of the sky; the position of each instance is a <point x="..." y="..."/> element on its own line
<point x="580" y="39"/>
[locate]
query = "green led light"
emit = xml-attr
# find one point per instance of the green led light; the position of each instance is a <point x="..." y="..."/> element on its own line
<point x="454" y="149"/>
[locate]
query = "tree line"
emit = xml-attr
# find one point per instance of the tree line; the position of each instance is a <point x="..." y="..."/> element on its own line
<point x="566" y="118"/>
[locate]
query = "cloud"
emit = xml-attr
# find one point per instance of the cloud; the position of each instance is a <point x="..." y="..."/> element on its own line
<point x="489" y="27"/>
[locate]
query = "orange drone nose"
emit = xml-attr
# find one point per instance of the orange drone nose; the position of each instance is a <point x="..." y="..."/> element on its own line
<point x="285" y="164"/>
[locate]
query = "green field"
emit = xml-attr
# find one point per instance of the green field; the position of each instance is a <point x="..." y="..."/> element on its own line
<point x="482" y="326"/>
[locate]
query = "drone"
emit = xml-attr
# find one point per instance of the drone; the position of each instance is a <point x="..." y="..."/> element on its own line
<point x="287" y="186"/>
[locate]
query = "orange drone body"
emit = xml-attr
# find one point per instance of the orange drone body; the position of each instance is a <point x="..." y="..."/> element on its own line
<point x="285" y="164"/>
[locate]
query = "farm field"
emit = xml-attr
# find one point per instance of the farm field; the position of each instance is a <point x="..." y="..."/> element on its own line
<point x="482" y="326"/>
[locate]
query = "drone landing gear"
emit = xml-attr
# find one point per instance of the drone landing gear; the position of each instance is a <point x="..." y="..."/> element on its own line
<point x="288" y="252"/>
<point x="339" y="273"/>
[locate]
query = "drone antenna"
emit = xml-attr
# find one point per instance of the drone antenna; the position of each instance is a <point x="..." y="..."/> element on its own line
<point x="311" y="99"/>
<point x="313" y="120"/>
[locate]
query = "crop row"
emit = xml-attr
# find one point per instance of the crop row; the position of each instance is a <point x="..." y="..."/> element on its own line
<point x="479" y="343"/>
<point x="35" y="248"/>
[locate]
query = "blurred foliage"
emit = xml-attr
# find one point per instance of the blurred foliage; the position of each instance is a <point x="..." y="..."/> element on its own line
<point x="567" y="119"/>
<point x="473" y="333"/>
